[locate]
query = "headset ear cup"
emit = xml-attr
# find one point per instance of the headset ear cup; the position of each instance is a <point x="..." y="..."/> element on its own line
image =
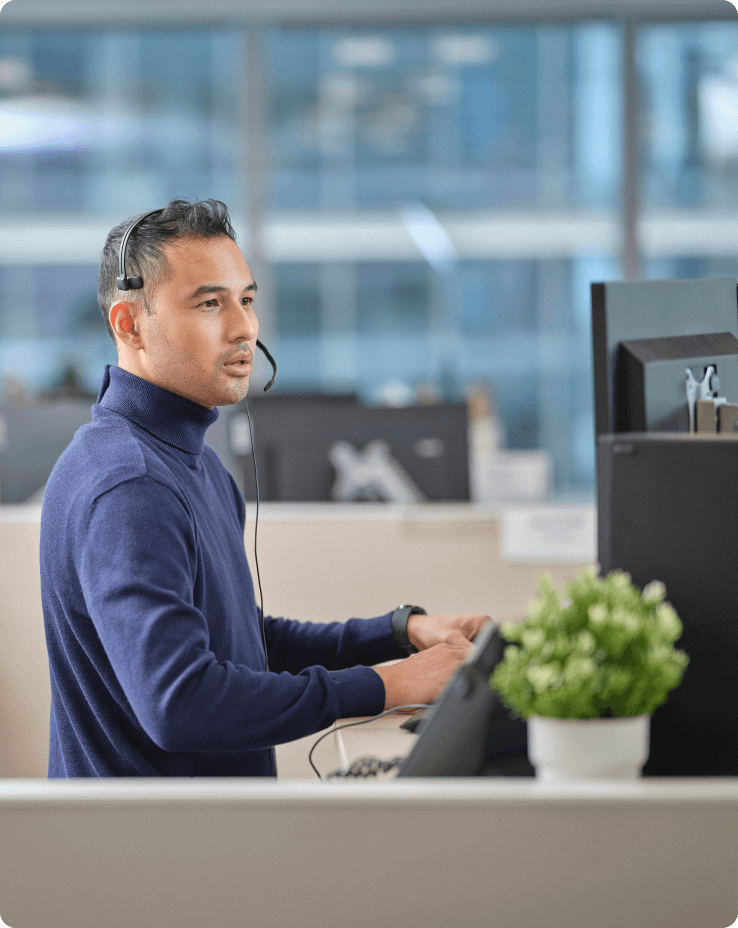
<point x="123" y="282"/>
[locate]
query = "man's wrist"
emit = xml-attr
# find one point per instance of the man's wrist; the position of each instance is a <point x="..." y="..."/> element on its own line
<point x="399" y="627"/>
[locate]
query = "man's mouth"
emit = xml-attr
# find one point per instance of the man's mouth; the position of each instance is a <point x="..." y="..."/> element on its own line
<point x="240" y="367"/>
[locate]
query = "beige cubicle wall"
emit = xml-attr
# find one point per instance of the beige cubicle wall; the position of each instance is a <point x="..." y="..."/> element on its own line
<point x="477" y="853"/>
<point x="318" y="562"/>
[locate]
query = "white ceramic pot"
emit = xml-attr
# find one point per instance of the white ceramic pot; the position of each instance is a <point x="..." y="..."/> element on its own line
<point x="588" y="749"/>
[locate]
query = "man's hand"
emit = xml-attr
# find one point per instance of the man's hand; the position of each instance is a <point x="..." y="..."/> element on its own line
<point x="425" y="631"/>
<point x="420" y="677"/>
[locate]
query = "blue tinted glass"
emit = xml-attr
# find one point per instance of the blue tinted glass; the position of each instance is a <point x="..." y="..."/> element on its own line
<point x="689" y="95"/>
<point x="297" y="297"/>
<point x="114" y="122"/>
<point x="106" y="122"/>
<point x="49" y="321"/>
<point x="469" y="121"/>
<point x="523" y="332"/>
<point x="454" y="116"/>
<point x="393" y="298"/>
<point x="498" y="297"/>
<point x="684" y="268"/>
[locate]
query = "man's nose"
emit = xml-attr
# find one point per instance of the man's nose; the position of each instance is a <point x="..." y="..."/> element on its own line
<point x="244" y="323"/>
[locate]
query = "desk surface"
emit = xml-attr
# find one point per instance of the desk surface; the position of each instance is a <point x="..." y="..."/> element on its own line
<point x="374" y="737"/>
<point x="221" y="792"/>
<point x="321" y="512"/>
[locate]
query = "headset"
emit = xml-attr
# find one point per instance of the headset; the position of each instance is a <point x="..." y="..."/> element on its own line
<point x="124" y="282"/>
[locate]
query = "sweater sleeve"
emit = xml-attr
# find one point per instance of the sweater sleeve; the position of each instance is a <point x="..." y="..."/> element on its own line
<point x="292" y="645"/>
<point x="136" y="563"/>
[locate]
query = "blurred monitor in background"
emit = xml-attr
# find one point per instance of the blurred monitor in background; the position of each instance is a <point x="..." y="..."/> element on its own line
<point x="35" y="429"/>
<point x="32" y="437"/>
<point x="323" y="447"/>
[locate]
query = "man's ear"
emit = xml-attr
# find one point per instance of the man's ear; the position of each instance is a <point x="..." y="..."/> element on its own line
<point x="124" y="321"/>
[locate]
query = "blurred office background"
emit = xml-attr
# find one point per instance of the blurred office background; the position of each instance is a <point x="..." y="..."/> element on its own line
<point x="424" y="189"/>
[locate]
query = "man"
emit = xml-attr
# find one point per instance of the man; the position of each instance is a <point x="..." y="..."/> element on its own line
<point x="154" y="638"/>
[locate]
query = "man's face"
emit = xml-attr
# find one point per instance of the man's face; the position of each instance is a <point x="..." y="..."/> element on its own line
<point x="201" y="338"/>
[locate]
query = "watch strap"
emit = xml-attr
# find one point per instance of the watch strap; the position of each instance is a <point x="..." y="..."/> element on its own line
<point x="399" y="627"/>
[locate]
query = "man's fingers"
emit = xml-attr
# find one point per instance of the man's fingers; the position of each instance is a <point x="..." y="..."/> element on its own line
<point x="421" y="677"/>
<point x="459" y="640"/>
<point x="425" y="631"/>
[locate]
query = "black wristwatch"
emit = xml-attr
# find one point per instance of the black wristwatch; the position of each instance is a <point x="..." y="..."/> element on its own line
<point x="399" y="628"/>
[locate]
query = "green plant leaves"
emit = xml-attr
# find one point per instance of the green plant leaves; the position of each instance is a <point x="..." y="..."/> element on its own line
<point x="607" y="650"/>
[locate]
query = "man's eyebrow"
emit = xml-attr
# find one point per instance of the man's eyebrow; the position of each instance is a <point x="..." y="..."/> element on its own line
<point x="215" y="288"/>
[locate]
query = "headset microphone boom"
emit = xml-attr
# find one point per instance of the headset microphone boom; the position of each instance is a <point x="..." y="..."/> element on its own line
<point x="124" y="282"/>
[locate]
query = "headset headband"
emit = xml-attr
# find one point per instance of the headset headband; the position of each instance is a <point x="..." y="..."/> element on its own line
<point x="123" y="282"/>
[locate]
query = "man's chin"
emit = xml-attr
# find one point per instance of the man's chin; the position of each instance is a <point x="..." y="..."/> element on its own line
<point x="236" y="393"/>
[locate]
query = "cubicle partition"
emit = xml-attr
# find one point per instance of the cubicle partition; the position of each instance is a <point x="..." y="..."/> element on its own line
<point x="421" y="854"/>
<point x="498" y="853"/>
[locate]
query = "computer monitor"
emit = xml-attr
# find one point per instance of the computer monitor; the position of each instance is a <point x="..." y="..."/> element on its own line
<point x="666" y="504"/>
<point x="668" y="510"/>
<point x="652" y="329"/>
<point x="469" y="732"/>
<point x="293" y="438"/>
<point x="33" y="438"/>
<point x="659" y="381"/>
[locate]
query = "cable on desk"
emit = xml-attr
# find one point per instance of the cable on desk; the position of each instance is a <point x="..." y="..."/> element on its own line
<point x="363" y="760"/>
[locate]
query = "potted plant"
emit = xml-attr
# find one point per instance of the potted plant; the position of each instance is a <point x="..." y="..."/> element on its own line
<point x="588" y="672"/>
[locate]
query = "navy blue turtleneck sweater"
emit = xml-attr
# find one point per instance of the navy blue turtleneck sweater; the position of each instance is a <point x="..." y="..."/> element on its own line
<point x="154" y="637"/>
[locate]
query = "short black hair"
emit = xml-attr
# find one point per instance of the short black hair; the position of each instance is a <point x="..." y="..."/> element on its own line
<point x="144" y="250"/>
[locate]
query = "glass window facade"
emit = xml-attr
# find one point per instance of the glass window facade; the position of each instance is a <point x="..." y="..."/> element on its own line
<point x="102" y="124"/>
<point x="447" y="136"/>
<point x="50" y="321"/>
<point x="521" y="327"/>
<point x="455" y="117"/>
<point x="689" y="97"/>
<point x="113" y="122"/>
<point x="435" y="200"/>
<point x="688" y="82"/>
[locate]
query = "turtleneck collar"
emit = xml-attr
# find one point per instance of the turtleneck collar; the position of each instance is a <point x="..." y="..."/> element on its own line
<point x="168" y="416"/>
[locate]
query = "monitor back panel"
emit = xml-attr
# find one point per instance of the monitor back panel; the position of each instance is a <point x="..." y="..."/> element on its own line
<point x="623" y="311"/>
<point x="34" y="438"/>
<point x="292" y="441"/>
<point x="668" y="510"/>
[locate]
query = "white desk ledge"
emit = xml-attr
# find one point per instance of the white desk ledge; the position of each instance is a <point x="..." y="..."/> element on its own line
<point x="495" y="853"/>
